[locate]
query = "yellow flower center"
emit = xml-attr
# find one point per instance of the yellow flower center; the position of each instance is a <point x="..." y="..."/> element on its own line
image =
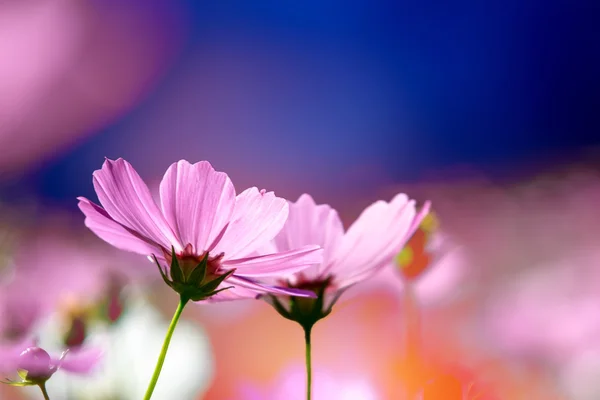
<point x="405" y="257"/>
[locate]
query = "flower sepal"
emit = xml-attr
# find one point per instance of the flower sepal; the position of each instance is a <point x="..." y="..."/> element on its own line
<point x="305" y="310"/>
<point x="23" y="382"/>
<point x="193" y="282"/>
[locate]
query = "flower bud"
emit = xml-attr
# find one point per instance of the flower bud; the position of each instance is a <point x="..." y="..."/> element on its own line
<point x="35" y="365"/>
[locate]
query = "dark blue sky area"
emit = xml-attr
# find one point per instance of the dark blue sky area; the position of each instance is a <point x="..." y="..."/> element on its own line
<point x="482" y="83"/>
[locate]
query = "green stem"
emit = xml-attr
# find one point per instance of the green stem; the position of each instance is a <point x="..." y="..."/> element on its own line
<point x="307" y="332"/>
<point x="44" y="391"/>
<point x="163" y="352"/>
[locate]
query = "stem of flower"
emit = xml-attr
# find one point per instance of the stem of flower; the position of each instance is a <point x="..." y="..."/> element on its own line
<point x="307" y="332"/>
<point x="44" y="391"/>
<point x="163" y="352"/>
<point x="413" y="339"/>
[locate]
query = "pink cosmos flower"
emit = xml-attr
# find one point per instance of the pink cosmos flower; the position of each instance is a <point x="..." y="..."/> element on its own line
<point x="290" y="386"/>
<point x="549" y="313"/>
<point x="444" y="272"/>
<point x="34" y="365"/>
<point x="369" y="245"/>
<point x="200" y="223"/>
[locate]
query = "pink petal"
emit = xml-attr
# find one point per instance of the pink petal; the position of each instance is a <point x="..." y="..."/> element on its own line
<point x="248" y="289"/>
<point x="397" y="244"/>
<point x="257" y="218"/>
<point x="197" y="202"/>
<point x="393" y="248"/>
<point x="249" y="392"/>
<point x="374" y="239"/>
<point x="235" y="293"/>
<point x="126" y="198"/>
<point x="309" y="223"/>
<point x="99" y="222"/>
<point x="81" y="361"/>
<point x="9" y="357"/>
<point x="288" y="262"/>
<point x="417" y="221"/>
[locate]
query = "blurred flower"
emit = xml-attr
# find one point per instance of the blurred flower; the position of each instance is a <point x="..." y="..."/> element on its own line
<point x="69" y="67"/>
<point x="129" y="358"/>
<point x="369" y="245"/>
<point x="58" y="271"/>
<point x="550" y="312"/>
<point x="579" y="375"/>
<point x="549" y="316"/>
<point x="290" y="386"/>
<point x="447" y="370"/>
<point x="35" y="366"/>
<point x="203" y="230"/>
<point x="453" y="384"/>
<point x="511" y="228"/>
<point x="431" y="263"/>
<point x="415" y="257"/>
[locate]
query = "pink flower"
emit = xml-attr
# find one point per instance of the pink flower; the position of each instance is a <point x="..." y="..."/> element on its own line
<point x="34" y="365"/>
<point x="368" y="245"/>
<point x="291" y="386"/>
<point x="201" y="227"/>
<point x="444" y="269"/>
<point x="550" y="312"/>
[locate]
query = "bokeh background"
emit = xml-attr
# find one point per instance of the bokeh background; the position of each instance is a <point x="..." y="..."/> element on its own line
<point x="489" y="109"/>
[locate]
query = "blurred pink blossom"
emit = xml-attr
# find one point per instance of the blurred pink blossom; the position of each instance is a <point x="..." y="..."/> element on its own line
<point x="69" y="67"/>
<point x="291" y="385"/>
<point x="40" y="366"/>
<point x="444" y="278"/>
<point x="59" y="269"/>
<point x="53" y="268"/>
<point x="550" y="312"/>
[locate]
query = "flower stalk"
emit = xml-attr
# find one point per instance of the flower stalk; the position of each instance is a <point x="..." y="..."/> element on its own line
<point x="42" y="387"/>
<point x="165" y="347"/>
<point x="413" y="340"/>
<point x="307" y="335"/>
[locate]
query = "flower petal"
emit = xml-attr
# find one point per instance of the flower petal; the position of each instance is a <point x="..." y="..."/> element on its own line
<point x="197" y="201"/>
<point x="245" y="288"/>
<point x="9" y="357"/>
<point x="257" y="218"/>
<point x="81" y="361"/>
<point x="309" y="223"/>
<point x="394" y="247"/>
<point x="288" y="262"/>
<point x="126" y="198"/>
<point x="107" y="229"/>
<point x="374" y="239"/>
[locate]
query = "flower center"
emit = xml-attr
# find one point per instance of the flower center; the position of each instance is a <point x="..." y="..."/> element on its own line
<point x="77" y="332"/>
<point x="313" y="285"/>
<point x="188" y="261"/>
<point x="414" y="258"/>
